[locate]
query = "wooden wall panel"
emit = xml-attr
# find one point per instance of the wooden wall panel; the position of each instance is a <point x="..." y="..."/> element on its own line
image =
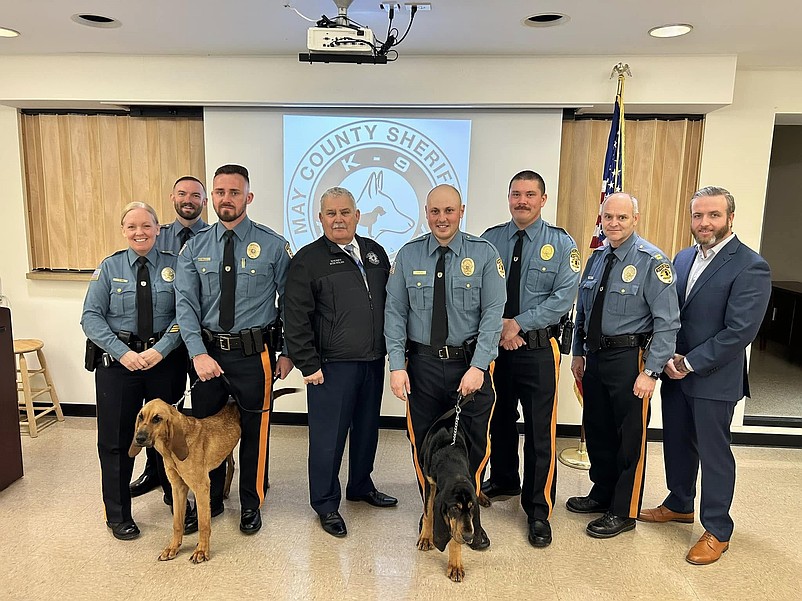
<point x="661" y="170"/>
<point x="81" y="170"/>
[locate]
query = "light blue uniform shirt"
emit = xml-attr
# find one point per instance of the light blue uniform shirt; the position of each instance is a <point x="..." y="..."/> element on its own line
<point x="261" y="256"/>
<point x="110" y="303"/>
<point x="549" y="270"/>
<point x="641" y="297"/>
<point x="168" y="236"/>
<point x="475" y="296"/>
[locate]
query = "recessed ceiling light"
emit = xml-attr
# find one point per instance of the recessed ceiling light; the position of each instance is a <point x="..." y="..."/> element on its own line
<point x="546" y="20"/>
<point x="96" y="21"/>
<point x="670" y="31"/>
<point x="8" y="33"/>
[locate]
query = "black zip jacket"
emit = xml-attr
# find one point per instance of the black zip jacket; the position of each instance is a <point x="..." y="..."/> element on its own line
<point x="329" y="314"/>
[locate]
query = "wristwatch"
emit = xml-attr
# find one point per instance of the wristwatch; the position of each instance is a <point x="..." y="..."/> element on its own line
<point x="654" y="375"/>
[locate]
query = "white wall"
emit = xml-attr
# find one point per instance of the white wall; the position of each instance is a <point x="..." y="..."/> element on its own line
<point x="736" y="147"/>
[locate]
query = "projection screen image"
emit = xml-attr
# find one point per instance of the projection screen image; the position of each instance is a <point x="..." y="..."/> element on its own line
<point x="389" y="165"/>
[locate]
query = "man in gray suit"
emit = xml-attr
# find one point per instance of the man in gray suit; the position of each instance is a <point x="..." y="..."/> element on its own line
<point x="724" y="288"/>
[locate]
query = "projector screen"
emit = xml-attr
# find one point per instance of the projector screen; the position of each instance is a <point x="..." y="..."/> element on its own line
<point x="484" y="148"/>
<point x="389" y="165"/>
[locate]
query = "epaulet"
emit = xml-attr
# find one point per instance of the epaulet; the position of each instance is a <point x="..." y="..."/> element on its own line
<point x="119" y="252"/>
<point x="472" y="238"/>
<point x="557" y="227"/>
<point x="164" y="227"/>
<point x="268" y="230"/>
<point x="420" y="238"/>
<point x="599" y="248"/>
<point x="651" y="250"/>
<point x="205" y="228"/>
<point x="497" y="227"/>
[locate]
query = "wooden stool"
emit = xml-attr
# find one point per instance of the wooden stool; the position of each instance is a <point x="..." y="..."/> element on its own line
<point x="34" y="410"/>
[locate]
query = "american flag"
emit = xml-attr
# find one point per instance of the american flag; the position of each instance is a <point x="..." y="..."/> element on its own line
<point x="613" y="178"/>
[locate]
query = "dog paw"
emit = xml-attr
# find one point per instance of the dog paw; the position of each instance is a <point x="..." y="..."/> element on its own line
<point x="483" y="500"/>
<point x="425" y="544"/>
<point x="168" y="553"/>
<point x="456" y="573"/>
<point x="199" y="556"/>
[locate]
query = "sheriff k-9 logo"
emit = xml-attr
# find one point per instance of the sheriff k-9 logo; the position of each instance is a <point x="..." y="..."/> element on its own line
<point x="388" y="165"/>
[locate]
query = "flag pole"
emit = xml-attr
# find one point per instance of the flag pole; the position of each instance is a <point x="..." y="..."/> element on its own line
<point x="612" y="181"/>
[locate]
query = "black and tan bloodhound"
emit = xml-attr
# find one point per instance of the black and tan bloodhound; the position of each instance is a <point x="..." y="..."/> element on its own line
<point x="450" y="507"/>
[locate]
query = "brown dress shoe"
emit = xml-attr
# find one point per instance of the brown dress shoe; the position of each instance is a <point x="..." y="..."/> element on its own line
<point x="707" y="550"/>
<point x="663" y="514"/>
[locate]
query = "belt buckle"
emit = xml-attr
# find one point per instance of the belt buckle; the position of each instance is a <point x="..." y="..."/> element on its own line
<point x="442" y="353"/>
<point x="224" y="343"/>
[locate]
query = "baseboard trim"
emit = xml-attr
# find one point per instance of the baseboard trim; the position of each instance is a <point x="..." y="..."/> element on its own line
<point x="750" y="439"/>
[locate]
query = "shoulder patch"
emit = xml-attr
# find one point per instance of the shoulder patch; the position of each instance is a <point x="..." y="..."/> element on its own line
<point x="664" y="273"/>
<point x="95" y="275"/>
<point x="575" y="260"/>
<point x="500" y="267"/>
<point x="287" y="249"/>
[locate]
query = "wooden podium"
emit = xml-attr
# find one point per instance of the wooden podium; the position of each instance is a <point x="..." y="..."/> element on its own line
<point x="10" y="443"/>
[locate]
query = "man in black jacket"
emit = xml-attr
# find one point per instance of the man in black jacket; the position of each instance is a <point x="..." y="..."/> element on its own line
<point x="334" y="332"/>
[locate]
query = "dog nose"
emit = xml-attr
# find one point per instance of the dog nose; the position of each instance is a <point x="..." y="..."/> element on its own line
<point x="467" y="537"/>
<point x="141" y="438"/>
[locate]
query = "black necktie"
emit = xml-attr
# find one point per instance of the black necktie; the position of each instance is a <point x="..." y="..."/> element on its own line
<point x="144" y="301"/>
<point x="593" y="337"/>
<point x="228" y="283"/>
<point x="184" y="235"/>
<point x="513" y="306"/>
<point x="439" y="313"/>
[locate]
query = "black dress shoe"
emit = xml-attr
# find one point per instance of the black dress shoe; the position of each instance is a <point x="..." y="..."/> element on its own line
<point x="145" y="483"/>
<point x="539" y="533"/>
<point x="334" y="524"/>
<point x="376" y="498"/>
<point x="218" y="509"/>
<point x="585" y="505"/>
<point x="609" y="525"/>
<point x="250" y="521"/>
<point x="127" y="530"/>
<point x="497" y="493"/>
<point x="480" y="541"/>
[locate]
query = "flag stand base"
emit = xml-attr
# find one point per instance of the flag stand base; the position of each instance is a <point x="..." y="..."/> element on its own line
<point x="576" y="458"/>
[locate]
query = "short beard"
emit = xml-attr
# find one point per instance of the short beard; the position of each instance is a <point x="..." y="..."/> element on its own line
<point x="718" y="236"/>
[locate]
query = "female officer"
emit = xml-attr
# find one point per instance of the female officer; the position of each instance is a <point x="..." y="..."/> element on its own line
<point x="129" y="313"/>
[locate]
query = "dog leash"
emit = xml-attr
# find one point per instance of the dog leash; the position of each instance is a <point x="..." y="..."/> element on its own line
<point x="455" y="410"/>
<point x="232" y="393"/>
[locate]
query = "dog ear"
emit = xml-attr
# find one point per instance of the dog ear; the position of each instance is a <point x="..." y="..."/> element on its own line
<point x="441" y="531"/>
<point x="134" y="449"/>
<point x="178" y="442"/>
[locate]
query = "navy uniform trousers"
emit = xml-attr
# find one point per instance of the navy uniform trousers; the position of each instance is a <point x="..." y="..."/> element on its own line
<point x="434" y="385"/>
<point x="348" y="399"/>
<point x="615" y="423"/>
<point x="529" y="376"/>
<point x="699" y="429"/>
<point x="119" y="396"/>
<point x="251" y="379"/>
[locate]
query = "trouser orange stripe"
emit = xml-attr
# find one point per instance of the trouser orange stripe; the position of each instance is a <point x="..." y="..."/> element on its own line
<point x="639" y="471"/>
<point x="483" y="463"/>
<point x="411" y="433"/>
<point x="264" y="426"/>
<point x="555" y="349"/>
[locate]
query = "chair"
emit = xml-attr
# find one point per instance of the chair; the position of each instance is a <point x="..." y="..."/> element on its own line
<point x="31" y="409"/>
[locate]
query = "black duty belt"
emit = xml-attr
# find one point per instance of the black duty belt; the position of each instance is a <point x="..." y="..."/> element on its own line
<point x="250" y="341"/>
<point x="442" y="352"/>
<point x="137" y="344"/>
<point x="625" y="341"/>
<point x="537" y="339"/>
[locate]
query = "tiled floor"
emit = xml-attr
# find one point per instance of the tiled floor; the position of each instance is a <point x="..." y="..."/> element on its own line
<point x="54" y="544"/>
